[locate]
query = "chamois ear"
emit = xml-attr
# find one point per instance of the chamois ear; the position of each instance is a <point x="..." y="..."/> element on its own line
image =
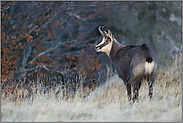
<point x="110" y="34"/>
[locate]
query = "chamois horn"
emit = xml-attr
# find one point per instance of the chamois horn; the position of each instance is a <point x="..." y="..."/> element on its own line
<point x="101" y="29"/>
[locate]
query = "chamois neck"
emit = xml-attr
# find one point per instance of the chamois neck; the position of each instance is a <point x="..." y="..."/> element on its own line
<point x="116" y="47"/>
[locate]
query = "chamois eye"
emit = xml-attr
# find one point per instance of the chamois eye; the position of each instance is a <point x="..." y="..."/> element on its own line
<point x="107" y="40"/>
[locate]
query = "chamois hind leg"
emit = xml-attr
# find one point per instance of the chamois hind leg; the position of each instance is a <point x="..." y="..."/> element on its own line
<point x="136" y="87"/>
<point x="128" y="88"/>
<point x="150" y="84"/>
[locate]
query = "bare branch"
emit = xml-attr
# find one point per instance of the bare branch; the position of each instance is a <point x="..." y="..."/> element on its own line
<point x="42" y="53"/>
<point x="77" y="16"/>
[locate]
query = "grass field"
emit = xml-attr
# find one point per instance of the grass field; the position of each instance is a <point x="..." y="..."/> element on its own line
<point x="107" y="103"/>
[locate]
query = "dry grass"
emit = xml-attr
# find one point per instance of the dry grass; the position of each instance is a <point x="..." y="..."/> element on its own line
<point x="107" y="103"/>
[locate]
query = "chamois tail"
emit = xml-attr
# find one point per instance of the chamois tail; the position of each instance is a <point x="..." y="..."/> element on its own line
<point x="149" y="65"/>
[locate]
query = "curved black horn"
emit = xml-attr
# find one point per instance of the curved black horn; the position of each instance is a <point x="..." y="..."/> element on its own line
<point x="104" y="27"/>
<point x="101" y="29"/>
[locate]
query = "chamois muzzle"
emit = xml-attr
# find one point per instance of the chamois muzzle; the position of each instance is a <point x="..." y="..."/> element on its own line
<point x="97" y="48"/>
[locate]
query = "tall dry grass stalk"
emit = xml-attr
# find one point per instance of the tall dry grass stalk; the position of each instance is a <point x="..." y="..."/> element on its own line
<point x="106" y="103"/>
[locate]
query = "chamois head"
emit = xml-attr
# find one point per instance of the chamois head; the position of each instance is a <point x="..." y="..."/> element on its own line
<point x="106" y="43"/>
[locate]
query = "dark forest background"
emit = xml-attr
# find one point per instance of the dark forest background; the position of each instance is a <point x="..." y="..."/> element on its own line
<point x="53" y="42"/>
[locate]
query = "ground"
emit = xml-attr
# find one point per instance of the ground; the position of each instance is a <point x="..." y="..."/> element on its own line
<point x="107" y="103"/>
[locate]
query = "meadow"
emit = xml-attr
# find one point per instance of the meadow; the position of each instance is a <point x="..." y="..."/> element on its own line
<point x="106" y="103"/>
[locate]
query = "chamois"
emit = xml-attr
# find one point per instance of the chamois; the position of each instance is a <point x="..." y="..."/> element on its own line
<point x="133" y="63"/>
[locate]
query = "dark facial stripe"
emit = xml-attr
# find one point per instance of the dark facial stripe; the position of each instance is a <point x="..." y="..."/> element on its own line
<point x="105" y="43"/>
